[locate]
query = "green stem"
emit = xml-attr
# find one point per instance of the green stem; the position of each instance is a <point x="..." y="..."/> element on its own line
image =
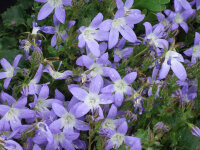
<point x="140" y="53"/>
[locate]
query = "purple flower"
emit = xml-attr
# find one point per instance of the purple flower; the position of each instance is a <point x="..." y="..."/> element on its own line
<point x="110" y="123"/>
<point x="34" y="87"/>
<point x="36" y="28"/>
<point x="119" y="24"/>
<point x="119" y="86"/>
<point x="90" y="35"/>
<point x="95" y="67"/>
<point x="137" y="103"/>
<point x="63" y="140"/>
<point x="120" y="53"/>
<point x="117" y="138"/>
<point x="155" y="35"/>
<point x="11" y="116"/>
<point x="172" y="60"/>
<point x="9" y="70"/>
<point x="68" y="120"/>
<point x="59" y="34"/>
<point x="57" y="75"/>
<point x="11" y="145"/>
<point x="50" y="5"/>
<point x="133" y="15"/>
<point x="194" y="51"/>
<point x="161" y="18"/>
<point x="43" y="132"/>
<point x="179" y="18"/>
<point x="26" y="45"/>
<point x="42" y="104"/>
<point x="91" y="100"/>
<point x="161" y="126"/>
<point x="180" y="4"/>
<point x="188" y="91"/>
<point x="196" y="131"/>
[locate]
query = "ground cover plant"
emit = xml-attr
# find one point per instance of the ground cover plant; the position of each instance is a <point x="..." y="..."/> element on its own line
<point x="100" y="74"/>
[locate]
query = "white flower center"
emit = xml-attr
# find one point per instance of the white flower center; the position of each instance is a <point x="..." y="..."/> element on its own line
<point x="165" y="22"/>
<point x="55" y="74"/>
<point x="120" y="86"/>
<point x="68" y="120"/>
<point x="178" y="19"/>
<point x="12" y="114"/>
<point x="119" y="53"/>
<point x="58" y="137"/>
<point x="127" y="11"/>
<point x="42" y="105"/>
<point x="35" y="30"/>
<point x="92" y="100"/>
<point x="117" y="23"/>
<point x="97" y="69"/>
<point x="10" y="72"/>
<point x="89" y="33"/>
<point x="117" y="139"/>
<point x="196" y="50"/>
<point x="27" y="45"/>
<point x="110" y="124"/>
<point x="153" y="39"/>
<point x="55" y="3"/>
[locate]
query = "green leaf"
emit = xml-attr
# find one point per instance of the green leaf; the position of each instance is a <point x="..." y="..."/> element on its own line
<point x="153" y="5"/>
<point x="13" y="16"/>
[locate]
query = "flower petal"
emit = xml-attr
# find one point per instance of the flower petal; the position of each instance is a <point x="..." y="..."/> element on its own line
<point x="96" y="84"/>
<point x="3" y="75"/>
<point x="58" y="109"/>
<point x="112" y="112"/>
<point x="184" y="26"/>
<point x="80" y="125"/>
<point x="6" y="82"/>
<point x="129" y="78"/>
<point x="81" y="41"/>
<point x="114" y="75"/>
<point x="97" y="20"/>
<point x="93" y="47"/>
<point x="67" y="2"/>
<point x="164" y="70"/>
<point x="85" y="61"/>
<point x="105" y="25"/>
<point x="128" y="33"/>
<point x="44" y="92"/>
<point x="5" y="64"/>
<point x="60" y="14"/>
<point x="197" y="38"/>
<point x="16" y="60"/>
<point x="178" y="69"/>
<point x="113" y="38"/>
<point x="119" y="4"/>
<point x="81" y="110"/>
<point x="123" y="128"/>
<point x="108" y="89"/>
<point x="45" y="11"/>
<point x="148" y="28"/>
<point x="56" y="126"/>
<point x="79" y="93"/>
<point x="128" y="4"/>
<point x="119" y="97"/>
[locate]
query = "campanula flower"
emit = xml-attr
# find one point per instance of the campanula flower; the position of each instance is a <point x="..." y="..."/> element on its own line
<point x="90" y="35"/>
<point x="173" y="60"/>
<point x="9" y="70"/>
<point x="50" y="5"/>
